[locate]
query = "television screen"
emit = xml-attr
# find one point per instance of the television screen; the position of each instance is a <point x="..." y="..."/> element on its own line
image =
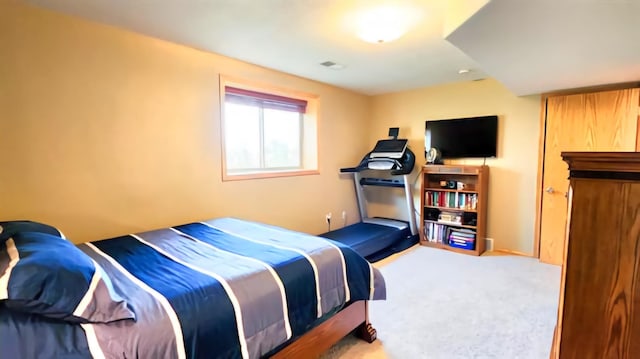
<point x="463" y="137"/>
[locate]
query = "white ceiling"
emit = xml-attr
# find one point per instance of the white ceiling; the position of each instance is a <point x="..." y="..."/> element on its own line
<point x="543" y="45"/>
<point x="531" y="46"/>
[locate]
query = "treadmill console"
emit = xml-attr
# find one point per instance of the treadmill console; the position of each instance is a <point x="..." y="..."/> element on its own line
<point x="390" y="155"/>
<point x="389" y="149"/>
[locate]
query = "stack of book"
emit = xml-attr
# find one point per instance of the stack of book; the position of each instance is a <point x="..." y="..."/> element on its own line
<point x="462" y="238"/>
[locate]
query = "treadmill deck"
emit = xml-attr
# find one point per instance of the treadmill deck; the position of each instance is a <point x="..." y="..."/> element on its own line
<point x="371" y="236"/>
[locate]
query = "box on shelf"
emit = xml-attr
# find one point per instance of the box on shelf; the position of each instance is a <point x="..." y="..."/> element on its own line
<point x="450" y="217"/>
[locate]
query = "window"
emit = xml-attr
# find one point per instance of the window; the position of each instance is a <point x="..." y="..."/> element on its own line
<point x="267" y="134"/>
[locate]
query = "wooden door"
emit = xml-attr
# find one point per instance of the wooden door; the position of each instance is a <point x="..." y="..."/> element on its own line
<point x="599" y="121"/>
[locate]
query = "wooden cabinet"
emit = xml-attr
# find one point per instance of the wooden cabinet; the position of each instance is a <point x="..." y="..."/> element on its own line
<point x="599" y="309"/>
<point x="454" y="207"/>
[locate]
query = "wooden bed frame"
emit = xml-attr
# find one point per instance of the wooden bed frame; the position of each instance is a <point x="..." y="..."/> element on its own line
<point x="321" y="338"/>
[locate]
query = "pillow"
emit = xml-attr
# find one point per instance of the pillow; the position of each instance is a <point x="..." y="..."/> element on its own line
<point x="44" y="274"/>
<point x="8" y="229"/>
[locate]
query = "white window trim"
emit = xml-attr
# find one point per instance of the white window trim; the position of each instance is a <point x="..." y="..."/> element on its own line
<point x="309" y="129"/>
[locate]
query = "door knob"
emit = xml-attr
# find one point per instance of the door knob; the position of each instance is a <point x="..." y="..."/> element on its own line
<point x="549" y="190"/>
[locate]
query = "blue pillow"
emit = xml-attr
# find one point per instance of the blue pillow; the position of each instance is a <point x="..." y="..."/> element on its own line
<point x="8" y="229"/>
<point x="45" y="274"/>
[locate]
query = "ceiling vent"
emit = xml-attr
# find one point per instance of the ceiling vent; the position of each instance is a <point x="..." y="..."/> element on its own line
<point x="332" y="65"/>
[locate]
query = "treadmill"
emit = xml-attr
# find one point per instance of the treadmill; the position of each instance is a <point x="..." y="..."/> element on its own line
<point x="375" y="238"/>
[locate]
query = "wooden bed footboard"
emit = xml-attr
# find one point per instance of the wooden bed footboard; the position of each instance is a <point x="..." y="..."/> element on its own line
<point x="321" y="338"/>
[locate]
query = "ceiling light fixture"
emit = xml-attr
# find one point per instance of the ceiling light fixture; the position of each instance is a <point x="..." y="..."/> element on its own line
<point x="384" y="23"/>
<point x="463" y="71"/>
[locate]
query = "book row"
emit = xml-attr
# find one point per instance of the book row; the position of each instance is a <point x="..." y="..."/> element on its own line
<point x="451" y="199"/>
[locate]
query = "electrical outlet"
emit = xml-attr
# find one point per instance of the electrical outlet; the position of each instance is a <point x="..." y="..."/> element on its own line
<point x="327" y="217"/>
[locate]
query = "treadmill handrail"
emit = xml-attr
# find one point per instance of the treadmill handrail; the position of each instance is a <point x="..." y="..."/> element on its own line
<point x="381" y="182"/>
<point x="349" y="170"/>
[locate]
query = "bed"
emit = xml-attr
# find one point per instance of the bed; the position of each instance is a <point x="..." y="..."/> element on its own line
<point x="223" y="288"/>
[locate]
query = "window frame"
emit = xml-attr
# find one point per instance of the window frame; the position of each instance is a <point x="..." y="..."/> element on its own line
<point x="308" y="126"/>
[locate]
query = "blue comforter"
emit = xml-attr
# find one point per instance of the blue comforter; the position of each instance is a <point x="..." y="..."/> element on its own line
<point x="224" y="288"/>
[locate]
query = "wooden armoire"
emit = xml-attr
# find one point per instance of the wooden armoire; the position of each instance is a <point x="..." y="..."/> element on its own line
<point x="599" y="308"/>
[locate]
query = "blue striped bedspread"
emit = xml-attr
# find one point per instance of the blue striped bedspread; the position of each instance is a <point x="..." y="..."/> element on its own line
<point x="224" y="288"/>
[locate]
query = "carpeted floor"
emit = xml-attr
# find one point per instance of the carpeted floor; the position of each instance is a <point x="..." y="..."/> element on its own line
<point x="447" y="305"/>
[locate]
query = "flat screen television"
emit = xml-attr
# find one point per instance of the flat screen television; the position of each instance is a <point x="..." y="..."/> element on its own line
<point x="463" y="137"/>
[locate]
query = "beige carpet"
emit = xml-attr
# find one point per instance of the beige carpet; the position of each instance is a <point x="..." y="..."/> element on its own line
<point x="447" y="305"/>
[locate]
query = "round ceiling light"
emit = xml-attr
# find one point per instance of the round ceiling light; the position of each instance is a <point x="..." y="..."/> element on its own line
<point x="384" y="23"/>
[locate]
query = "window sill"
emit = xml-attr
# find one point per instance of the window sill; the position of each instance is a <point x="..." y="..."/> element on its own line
<point x="259" y="175"/>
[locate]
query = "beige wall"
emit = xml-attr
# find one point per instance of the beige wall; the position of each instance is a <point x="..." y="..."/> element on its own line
<point x="106" y="132"/>
<point x="512" y="179"/>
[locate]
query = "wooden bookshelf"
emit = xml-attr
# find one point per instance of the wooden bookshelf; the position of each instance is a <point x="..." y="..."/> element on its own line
<point x="454" y="218"/>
